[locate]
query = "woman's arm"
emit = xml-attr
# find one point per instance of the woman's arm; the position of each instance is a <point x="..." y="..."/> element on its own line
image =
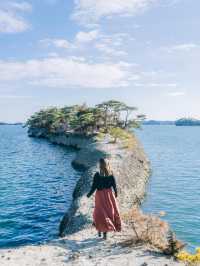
<point x="114" y="186"/>
<point x="93" y="188"/>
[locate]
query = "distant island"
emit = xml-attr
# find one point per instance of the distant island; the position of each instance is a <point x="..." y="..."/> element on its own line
<point x="178" y="122"/>
<point x="158" y="122"/>
<point x="10" y="124"/>
<point x="187" y="122"/>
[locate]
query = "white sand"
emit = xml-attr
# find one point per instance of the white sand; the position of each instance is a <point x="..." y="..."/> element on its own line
<point x="84" y="248"/>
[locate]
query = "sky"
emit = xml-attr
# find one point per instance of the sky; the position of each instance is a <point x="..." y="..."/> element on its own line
<point x="145" y="53"/>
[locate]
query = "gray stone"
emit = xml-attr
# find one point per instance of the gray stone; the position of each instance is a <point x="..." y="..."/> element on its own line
<point x="130" y="167"/>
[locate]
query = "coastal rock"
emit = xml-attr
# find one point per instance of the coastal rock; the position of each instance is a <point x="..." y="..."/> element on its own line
<point x="37" y="132"/>
<point x="130" y="167"/>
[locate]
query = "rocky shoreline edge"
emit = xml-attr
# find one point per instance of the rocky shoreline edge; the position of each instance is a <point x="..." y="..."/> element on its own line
<point x="81" y="246"/>
<point x="131" y="168"/>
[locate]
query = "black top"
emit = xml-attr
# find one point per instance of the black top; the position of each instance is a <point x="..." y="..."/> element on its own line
<point x="100" y="182"/>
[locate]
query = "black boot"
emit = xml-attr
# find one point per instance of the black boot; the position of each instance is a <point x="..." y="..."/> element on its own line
<point x="99" y="234"/>
<point x="105" y="235"/>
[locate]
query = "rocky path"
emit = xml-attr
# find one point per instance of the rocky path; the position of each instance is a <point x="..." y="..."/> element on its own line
<point x="85" y="248"/>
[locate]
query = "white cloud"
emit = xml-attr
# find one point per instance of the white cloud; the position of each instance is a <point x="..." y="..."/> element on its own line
<point x="58" y="43"/>
<point x="157" y="79"/>
<point x="63" y="73"/>
<point x="185" y="47"/>
<point x="10" y="19"/>
<point x="81" y="37"/>
<point x="78" y="58"/>
<point x="22" y="6"/>
<point x="159" y="85"/>
<point x="61" y="43"/>
<point x="88" y="11"/>
<point x="85" y="37"/>
<point x="9" y="23"/>
<point x="53" y="54"/>
<point x="108" y="50"/>
<point x="110" y="45"/>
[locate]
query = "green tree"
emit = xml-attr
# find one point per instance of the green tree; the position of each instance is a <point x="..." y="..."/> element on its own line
<point x="128" y="111"/>
<point x="109" y="116"/>
<point x="111" y="111"/>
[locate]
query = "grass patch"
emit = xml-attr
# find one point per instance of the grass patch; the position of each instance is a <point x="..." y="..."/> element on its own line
<point x="126" y="137"/>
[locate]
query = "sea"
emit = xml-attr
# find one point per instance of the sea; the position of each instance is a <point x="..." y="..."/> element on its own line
<point x="37" y="180"/>
<point x="174" y="185"/>
<point x="36" y="184"/>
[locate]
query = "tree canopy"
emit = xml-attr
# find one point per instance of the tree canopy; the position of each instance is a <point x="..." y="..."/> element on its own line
<point x="87" y="120"/>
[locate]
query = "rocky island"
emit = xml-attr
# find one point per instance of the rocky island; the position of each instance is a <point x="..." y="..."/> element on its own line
<point x="102" y="131"/>
<point x="187" y="122"/>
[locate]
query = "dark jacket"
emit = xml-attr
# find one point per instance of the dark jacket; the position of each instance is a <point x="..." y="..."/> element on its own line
<point x="101" y="182"/>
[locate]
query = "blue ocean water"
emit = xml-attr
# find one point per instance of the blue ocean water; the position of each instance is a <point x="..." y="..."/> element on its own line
<point x="37" y="180"/>
<point x="174" y="186"/>
<point x="36" y="184"/>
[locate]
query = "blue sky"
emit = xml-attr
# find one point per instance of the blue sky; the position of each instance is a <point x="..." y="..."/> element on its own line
<point x="62" y="52"/>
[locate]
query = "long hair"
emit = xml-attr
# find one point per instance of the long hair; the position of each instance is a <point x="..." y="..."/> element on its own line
<point x="105" y="169"/>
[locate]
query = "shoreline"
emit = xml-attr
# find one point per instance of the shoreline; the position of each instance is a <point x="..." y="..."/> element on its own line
<point x="132" y="171"/>
<point x="130" y="167"/>
<point x="84" y="248"/>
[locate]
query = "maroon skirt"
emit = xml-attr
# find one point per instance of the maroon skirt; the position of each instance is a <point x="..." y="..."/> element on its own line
<point x="106" y="214"/>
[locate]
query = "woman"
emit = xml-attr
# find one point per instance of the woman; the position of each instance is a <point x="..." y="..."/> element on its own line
<point x="106" y="215"/>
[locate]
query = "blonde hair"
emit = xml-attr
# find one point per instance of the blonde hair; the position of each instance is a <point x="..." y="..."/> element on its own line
<point x="105" y="169"/>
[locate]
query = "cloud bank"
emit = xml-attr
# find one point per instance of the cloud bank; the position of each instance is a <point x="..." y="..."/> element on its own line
<point x="90" y="11"/>
<point x="11" y="19"/>
<point x="64" y="73"/>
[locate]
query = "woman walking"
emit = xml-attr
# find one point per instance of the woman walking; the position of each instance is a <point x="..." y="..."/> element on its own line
<point x="106" y="215"/>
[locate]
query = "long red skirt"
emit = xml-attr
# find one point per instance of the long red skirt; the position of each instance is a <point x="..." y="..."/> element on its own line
<point x="106" y="214"/>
